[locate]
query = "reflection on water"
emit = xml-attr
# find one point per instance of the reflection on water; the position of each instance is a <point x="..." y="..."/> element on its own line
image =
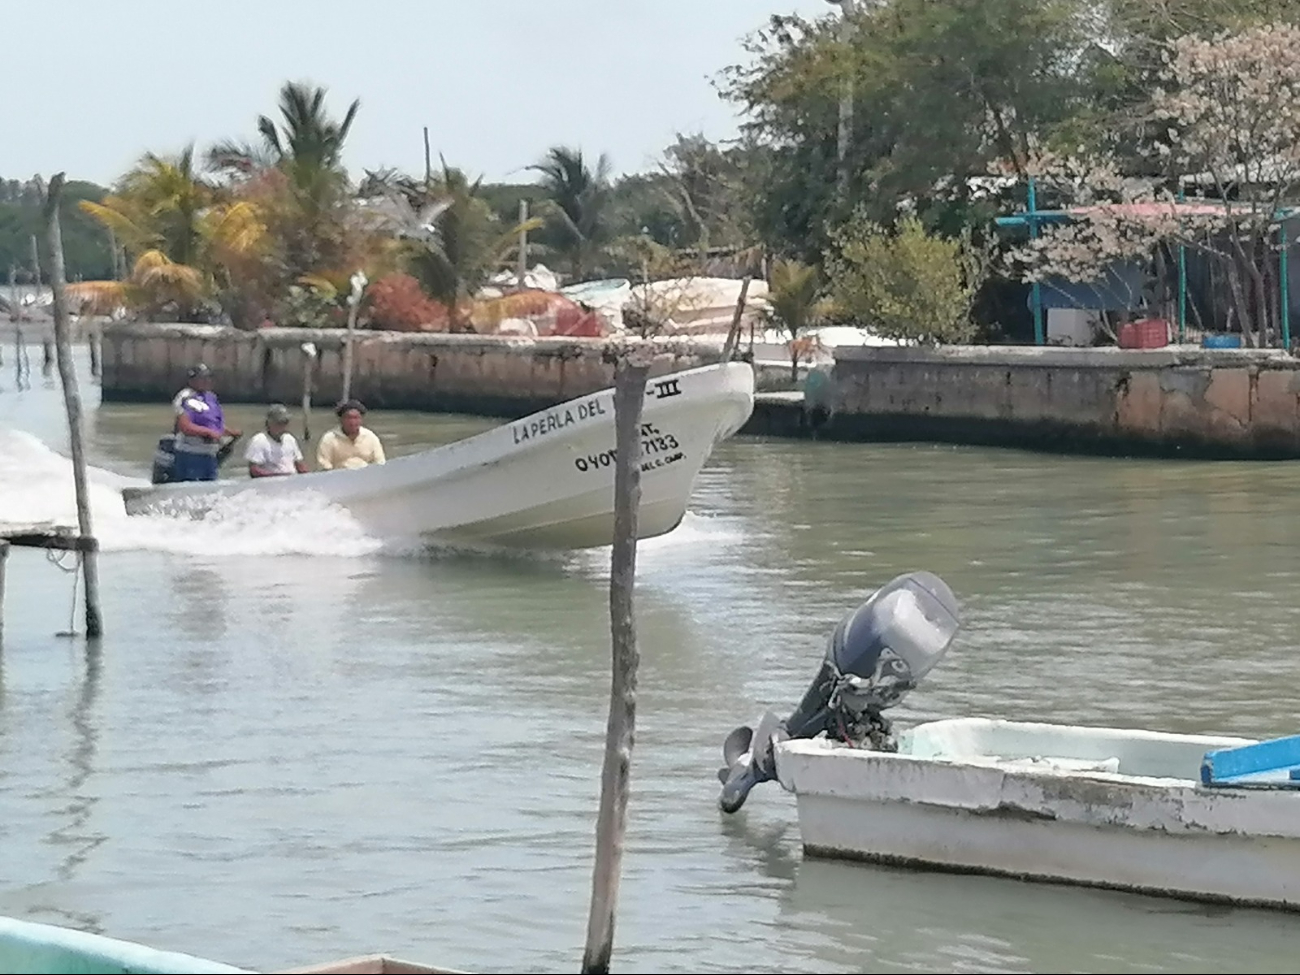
<point x="294" y="747"/>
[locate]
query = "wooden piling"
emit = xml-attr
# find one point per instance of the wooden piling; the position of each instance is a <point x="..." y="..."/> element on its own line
<point x="4" y="557"/>
<point x="308" y="372"/>
<point x="72" y="403"/>
<point x="36" y="273"/>
<point x="631" y="370"/>
<point x="354" y="308"/>
<point x="92" y="341"/>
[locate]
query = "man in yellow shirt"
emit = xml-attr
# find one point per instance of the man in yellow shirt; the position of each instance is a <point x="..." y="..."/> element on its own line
<point x="351" y="445"/>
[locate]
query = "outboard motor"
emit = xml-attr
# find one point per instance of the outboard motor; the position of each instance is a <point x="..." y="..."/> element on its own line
<point x="876" y="654"/>
<point x="164" y="459"/>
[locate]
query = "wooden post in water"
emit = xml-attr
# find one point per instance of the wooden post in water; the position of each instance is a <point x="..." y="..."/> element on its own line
<point x="4" y="557"/>
<point x="632" y="366"/>
<point x="92" y="341"/>
<point x="72" y="404"/>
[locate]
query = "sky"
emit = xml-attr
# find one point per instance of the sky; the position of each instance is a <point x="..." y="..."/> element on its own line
<point x="496" y="81"/>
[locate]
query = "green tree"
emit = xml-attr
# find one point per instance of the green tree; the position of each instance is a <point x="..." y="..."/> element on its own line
<point x="579" y="216"/>
<point x="794" y="303"/>
<point x="453" y="241"/>
<point x="86" y="245"/>
<point x="183" y="238"/>
<point x="311" y="218"/>
<point x="904" y="284"/>
<point x="943" y="92"/>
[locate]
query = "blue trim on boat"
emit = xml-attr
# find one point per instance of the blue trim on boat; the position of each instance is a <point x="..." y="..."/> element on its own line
<point x="1272" y="764"/>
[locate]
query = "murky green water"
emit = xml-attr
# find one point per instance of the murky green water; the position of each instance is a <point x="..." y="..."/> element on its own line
<point x="291" y="747"/>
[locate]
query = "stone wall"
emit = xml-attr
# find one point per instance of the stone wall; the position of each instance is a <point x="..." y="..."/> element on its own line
<point x="486" y="375"/>
<point x="1174" y="401"/>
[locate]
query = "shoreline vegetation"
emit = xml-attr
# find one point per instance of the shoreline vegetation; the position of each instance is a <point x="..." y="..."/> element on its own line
<point x="879" y="145"/>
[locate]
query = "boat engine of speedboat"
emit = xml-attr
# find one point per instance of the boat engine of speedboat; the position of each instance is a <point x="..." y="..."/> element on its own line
<point x="876" y="654"/>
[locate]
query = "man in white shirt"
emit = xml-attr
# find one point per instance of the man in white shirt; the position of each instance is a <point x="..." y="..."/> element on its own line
<point x="275" y="452"/>
<point x="351" y="445"/>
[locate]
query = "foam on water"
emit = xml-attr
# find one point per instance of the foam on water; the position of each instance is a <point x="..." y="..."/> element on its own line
<point x="36" y="486"/>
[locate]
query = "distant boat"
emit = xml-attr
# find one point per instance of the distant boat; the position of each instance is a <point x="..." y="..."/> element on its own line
<point x="545" y="481"/>
<point x="49" y="950"/>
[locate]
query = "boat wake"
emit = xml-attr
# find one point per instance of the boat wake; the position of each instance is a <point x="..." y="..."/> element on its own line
<point x="36" y="486"/>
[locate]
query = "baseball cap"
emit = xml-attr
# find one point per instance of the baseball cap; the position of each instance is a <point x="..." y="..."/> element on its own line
<point x="278" y="413"/>
<point x="197" y="370"/>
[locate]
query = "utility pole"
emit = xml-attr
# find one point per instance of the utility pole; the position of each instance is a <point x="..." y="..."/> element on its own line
<point x="845" y="135"/>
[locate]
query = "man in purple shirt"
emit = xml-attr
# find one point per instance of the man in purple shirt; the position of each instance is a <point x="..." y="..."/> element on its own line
<point x="200" y="427"/>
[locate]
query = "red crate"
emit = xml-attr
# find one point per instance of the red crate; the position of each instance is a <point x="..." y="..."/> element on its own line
<point x="1147" y="333"/>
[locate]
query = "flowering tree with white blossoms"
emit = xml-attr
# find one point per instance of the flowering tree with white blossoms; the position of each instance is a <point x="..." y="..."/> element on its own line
<point x="1227" y="116"/>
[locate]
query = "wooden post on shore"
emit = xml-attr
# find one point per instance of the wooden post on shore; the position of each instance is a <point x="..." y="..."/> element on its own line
<point x="733" y="335"/>
<point x="521" y="268"/>
<point x="36" y="272"/>
<point x="308" y="371"/>
<point x="359" y="283"/>
<point x="632" y="366"/>
<point x="72" y="404"/>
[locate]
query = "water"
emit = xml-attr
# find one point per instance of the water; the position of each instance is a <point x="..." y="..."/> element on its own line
<point x="295" y="745"/>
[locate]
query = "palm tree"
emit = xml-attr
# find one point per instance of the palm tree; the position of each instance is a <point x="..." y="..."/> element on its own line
<point x="456" y="240"/>
<point x="182" y="235"/>
<point x="306" y="145"/>
<point x="304" y="150"/>
<point x="158" y="205"/>
<point x="579" y="212"/>
<point x="794" y="303"/>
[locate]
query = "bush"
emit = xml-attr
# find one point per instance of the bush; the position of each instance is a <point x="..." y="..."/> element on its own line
<point x="398" y="302"/>
<point x="908" y="284"/>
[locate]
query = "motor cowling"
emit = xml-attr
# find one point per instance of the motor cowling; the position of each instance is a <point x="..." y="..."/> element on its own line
<point x="874" y="657"/>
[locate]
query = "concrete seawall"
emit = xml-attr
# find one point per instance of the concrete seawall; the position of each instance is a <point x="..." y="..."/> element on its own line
<point x="1165" y="402"/>
<point x="486" y="375"/>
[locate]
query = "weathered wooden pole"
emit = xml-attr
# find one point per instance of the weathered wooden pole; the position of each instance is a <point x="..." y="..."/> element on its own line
<point x="733" y="334"/>
<point x="359" y="283"/>
<point x="47" y="354"/>
<point x="632" y="366"/>
<point x="92" y="341"/>
<point x="4" y="557"/>
<point x="72" y="404"/>
<point x="521" y="266"/>
<point x="36" y="273"/>
<point x="308" y="371"/>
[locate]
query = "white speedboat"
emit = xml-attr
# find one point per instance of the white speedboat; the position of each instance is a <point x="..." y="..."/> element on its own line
<point x="544" y="481"/>
<point x="1199" y="817"/>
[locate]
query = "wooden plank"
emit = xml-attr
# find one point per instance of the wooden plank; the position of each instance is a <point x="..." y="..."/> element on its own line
<point x="1266" y="764"/>
<point x="47" y="535"/>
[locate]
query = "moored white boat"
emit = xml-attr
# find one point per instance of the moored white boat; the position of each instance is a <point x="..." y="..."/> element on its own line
<point x="544" y="481"/>
<point x="1099" y="807"/>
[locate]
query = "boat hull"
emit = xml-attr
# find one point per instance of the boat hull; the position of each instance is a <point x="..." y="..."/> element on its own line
<point x="1093" y="807"/>
<point x="543" y="482"/>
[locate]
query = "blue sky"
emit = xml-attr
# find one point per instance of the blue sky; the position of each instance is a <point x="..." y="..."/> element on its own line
<point x="496" y="82"/>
